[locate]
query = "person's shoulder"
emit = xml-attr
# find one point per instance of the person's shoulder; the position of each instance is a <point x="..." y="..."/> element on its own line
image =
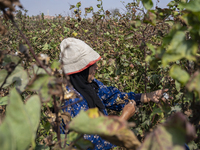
<point x="98" y="82"/>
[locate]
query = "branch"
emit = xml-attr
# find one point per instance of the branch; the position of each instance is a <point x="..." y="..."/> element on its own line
<point x="70" y="104"/>
<point x="57" y="120"/>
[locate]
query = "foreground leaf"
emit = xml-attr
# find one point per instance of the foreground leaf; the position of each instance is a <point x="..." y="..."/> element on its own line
<point x="179" y="74"/>
<point x="111" y="129"/>
<point x="42" y="147"/>
<point x="7" y="140"/>
<point x="179" y="48"/>
<point x="148" y="4"/>
<point x="81" y="143"/>
<point x="21" y="121"/>
<point x="41" y="85"/>
<point x="37" y="70"/>
<point x="171" y="135"/>
<point x="33" y="106"/>
<point x="10" y="58"/>
<point x="4" y="100"/>
<point x="19" y="77"/>
<point x="20" y="125"/>
<point x="194" y="83"/>
<point x="192" y="5"/>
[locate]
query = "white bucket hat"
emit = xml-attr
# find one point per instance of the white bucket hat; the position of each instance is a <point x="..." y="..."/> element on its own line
<point x="76" y="55"/>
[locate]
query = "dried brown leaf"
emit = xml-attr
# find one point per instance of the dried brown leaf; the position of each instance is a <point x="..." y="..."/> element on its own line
<point x="2" y="29"/>
<point x="110" y="128"/>
<point x="66" y="117"/>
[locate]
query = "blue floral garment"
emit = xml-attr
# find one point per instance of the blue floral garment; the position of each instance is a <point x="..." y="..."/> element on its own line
<point x="110" y="97"/>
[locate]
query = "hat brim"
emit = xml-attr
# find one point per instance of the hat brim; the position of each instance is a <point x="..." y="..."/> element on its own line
<point x="83" y="61"/>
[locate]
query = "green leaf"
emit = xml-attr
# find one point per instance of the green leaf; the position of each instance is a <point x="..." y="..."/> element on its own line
<point x="41" y="85"/>
<point x="3" y="74"/>
<point x="171" y="135"/>
<point x="4" y="100"/>
<point x="21" y="120"/>
<point x="34" y="39"/>
<point x="19" y="77"/>
<point x="179" y="74"/>
<point x="171" y="4"/>
<point x="10" y="58"/>
<point x="109" y="128"/>
<point x="178" y="37"/>
<point x="53" y="25"/>
<point x="130" y="36"/>
<point x="179" y="48"/>
<point x="193" y="5"/>
<point x="42" y="147"/>
<point x="51" y="31"/>
<point x="71" y="7"/>
<point x="33" y="107"/>
<point x="156" y="111"/>
<point x="194" y="83"/>
<point x="138" y="23"/>
<point x="152" y="17"/>
<point x="148" y="4"/>
<point x="81" y="143"/>
<point x="178" y="86"/>
<point x="135" y="23"/>
<point x="78" y="4"/>
<point x="66" y="30"/>
<point x="152" y="48"/>
<point x="192" y="145"/>
<point x="37" y="70"/>
<point x="88" y="10"/>
<point x="76" y="25"/>
<point x="125" y="64"/>
<point x="55" y="65"/>
<point x="176" y="109"/>
<point x="45" y="46"/>
<point x="99" y="5"/>
<point x="7" y="140"/>
<point x="44" y="31"/>
<point x="170" y="23"/>
<point x="91" y="8"/>
<point x="39" y="82"/>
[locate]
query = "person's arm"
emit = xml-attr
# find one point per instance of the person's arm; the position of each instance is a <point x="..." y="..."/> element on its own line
<point x="110" y="96"/>
<point x="154" y="96"/>
<point x="114" y="99"/>
<point x="128" y="111"/>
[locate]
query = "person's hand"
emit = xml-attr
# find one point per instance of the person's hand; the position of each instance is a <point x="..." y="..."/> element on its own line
<point x="154" y="96"/>
<point x="128" y="111"/>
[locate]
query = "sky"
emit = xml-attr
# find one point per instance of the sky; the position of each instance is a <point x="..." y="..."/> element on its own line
<point x="56" y="7"/>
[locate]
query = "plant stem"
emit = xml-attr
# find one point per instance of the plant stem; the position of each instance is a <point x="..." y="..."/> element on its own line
<point x="70" y="104"/>
<point x="57" y="119"/>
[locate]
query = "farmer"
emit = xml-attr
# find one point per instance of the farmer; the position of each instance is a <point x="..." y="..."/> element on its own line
<point x="79" y="62"/>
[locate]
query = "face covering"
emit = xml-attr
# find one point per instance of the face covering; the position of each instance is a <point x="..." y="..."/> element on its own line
<point x="87" y="90"/>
